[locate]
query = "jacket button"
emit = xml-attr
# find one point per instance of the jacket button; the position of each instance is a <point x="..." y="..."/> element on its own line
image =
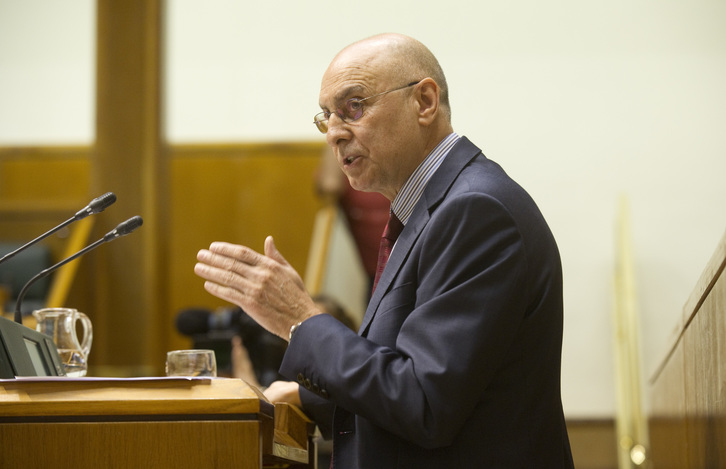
<point x="300" y="378"/>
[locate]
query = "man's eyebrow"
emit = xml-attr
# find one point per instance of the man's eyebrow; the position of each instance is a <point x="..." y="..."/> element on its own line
<point x="345" y="92"/>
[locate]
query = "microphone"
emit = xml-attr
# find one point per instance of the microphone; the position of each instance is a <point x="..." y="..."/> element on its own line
<point x="194" y="321"/>
<point x="95" y="206"/>
<point x="122" y="229"/>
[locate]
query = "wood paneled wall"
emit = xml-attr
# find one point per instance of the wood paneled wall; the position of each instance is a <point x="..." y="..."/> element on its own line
<point x="688" y="415"/>
<point x="39" y="188"/>
<point x="238" y="193"/>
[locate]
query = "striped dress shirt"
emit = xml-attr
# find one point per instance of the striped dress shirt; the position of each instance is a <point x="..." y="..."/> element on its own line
<point x="411" y="191"/>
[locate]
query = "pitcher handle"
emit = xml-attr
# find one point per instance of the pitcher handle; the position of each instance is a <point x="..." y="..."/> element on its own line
<point x="87" y="333"/>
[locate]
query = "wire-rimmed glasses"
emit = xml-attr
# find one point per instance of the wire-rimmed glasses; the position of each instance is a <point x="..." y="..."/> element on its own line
<point x="352" y="109"/>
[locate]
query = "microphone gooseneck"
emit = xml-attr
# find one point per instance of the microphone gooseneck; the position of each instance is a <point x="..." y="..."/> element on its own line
<point x="122" y="229"/>
<point x="96" y="205"/>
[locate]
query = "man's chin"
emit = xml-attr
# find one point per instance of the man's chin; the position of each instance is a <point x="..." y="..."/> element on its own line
<point x="359" y="185"/>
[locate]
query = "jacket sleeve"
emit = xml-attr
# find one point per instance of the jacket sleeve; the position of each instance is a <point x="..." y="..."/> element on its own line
<point x="320" y="410"/>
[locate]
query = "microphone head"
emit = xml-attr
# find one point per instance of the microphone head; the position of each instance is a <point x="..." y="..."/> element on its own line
<point x="98" y="204"/>
<point x="129" y="225"/>
<point x="193" y="321"/>
<point x="124" y="228"/>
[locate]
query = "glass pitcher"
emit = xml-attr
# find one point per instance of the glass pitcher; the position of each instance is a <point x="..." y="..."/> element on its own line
<point x="60" y="325"/>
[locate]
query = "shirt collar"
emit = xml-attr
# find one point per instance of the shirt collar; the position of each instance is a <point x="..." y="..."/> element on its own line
<point x="413" y="188"/>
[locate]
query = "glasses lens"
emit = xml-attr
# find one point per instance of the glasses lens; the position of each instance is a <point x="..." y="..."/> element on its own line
<point x="321" y="122"/>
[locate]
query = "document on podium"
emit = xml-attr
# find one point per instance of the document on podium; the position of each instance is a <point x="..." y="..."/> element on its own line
<point x="93" y="378"/>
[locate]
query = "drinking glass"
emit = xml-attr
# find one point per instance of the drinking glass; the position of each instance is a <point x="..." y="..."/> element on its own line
<point x="191" y="363"/>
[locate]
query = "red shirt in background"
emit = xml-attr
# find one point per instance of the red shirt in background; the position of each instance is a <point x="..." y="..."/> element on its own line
<point x="367" y="214"/>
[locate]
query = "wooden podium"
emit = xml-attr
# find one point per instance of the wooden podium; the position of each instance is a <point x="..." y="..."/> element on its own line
<point x="148" y="423"/>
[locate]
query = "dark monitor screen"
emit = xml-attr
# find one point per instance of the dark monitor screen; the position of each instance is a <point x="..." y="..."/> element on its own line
<point x="26" y="352"/>
<point x="36" y="357"/>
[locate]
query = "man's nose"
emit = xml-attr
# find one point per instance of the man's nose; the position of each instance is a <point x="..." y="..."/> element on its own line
<point x="337" y="130"/>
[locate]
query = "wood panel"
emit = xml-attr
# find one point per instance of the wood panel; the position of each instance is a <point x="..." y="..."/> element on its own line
<point x="705" y="381"/>
<point x="129" y="160"/>
<point x="238" y="194"/>
<point x="594" y="443"/>
<point x="173" y="445"/>
<point x="688" y="418"/>
<point x="39" y="188"/>
<point x="49" y="177"/>
<point x="667" y="422"/>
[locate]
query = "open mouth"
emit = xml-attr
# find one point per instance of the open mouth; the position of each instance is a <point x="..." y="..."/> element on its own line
<point x="349" y="159"/>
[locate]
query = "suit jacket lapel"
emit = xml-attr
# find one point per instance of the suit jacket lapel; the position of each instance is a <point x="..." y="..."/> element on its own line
<point x="459" y="156"/>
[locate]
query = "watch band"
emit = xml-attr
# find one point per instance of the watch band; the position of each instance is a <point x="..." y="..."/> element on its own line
<point x="293" y="328"/>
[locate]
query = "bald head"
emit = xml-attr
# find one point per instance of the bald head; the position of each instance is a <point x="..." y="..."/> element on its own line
<point x="398" y="59"/>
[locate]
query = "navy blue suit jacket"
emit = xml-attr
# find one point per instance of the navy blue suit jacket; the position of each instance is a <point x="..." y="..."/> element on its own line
<point x="457" y="361"/>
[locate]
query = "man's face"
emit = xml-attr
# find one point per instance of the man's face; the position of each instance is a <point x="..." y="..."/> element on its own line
<point x="378" y="150"/>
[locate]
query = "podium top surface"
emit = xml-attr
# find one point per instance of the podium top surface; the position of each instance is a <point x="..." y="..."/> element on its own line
<point x="130" y="396"/>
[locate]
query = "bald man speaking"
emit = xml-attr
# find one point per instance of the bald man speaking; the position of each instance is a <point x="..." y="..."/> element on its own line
<point x="457" y="361"/>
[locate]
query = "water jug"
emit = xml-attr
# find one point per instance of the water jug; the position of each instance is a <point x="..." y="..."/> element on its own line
<point x="60" y="325"/>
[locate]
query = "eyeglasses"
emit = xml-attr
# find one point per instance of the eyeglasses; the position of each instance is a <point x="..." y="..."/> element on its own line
<point x="352" y="110"/>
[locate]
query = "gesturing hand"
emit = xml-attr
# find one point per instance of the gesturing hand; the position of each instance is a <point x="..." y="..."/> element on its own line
<point x="265" y="286"/>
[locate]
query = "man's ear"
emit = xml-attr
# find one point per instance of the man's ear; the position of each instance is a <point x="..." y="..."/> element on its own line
<point x="427" y="95"/>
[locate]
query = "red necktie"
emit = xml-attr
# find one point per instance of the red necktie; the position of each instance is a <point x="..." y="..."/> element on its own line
<point x="390" y="234"/>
